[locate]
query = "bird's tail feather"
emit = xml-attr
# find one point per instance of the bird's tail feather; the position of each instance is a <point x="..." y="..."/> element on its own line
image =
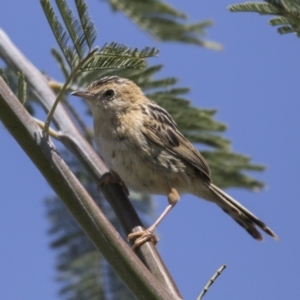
<point x="239" y="213"/>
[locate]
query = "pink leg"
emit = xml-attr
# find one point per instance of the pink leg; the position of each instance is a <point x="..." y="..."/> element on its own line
<point x="147" y="235"/>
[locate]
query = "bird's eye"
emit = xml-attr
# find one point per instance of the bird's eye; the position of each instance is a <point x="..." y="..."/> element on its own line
<point x="109" y="94"/>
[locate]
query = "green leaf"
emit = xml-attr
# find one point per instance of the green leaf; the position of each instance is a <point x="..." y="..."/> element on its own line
<point x="60" y="34"/>
<point x="288" y="12"/>
<point x="117" y="49"/>
<point x="115" y="56"/>
<point x="17" y="83"/>
<point x="225" y="167"/>
<point x="161" y="83"/>
<point x="163" y="22"/>
<point x="74" y="27"/>
<point x="149" y="7"/>
<point x="262" y="8"/>
<point x="285" y="29"/>
<point x="60" y="61"/>
<point x="279" y="21"/>
<point x="88" y="26"/>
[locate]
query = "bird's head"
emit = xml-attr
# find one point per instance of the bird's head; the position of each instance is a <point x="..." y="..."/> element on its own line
<point x="111" y="94"/>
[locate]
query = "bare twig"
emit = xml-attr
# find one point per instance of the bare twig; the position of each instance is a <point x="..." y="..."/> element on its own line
<point x="65" y="86"/>
<point x="211" y="281"/>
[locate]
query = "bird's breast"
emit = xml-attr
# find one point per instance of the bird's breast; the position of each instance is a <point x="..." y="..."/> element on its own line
<point x="143" y="165"/>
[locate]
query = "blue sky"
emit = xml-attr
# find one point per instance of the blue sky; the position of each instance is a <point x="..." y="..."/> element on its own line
<point x="254" y="84"/>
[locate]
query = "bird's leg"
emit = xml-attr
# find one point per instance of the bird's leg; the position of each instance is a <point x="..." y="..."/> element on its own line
<point x="147" y="235"/>
<point x="112" y="177"/>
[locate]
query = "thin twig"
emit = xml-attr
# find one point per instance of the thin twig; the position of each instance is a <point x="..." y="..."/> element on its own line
<point x="211" y="281"/>
<point x="65" y="86"/>
<point x="53" y="133"/>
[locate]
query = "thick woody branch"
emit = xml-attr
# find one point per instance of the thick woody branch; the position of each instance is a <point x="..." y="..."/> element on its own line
<point x="47" y="159"/>
<point x="74" y="141"/>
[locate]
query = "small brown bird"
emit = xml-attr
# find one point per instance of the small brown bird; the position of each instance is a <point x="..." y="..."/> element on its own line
<point x="141" y="143"/>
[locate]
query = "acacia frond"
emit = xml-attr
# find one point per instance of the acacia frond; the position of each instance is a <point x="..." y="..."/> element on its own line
<point x="88" y="26"/>
<point x="288" y="12"/>
<point x="60" y="61"/>
<point x="170" y="30"/>
<point x="115" y="56"/>
<point x="230" y="175"/>
<point x="17" y="83"/>
<point x="60" y="34"/>
<point x="74" y="28"/>
<point x="80" y="33"/>
<point x="261" y="8"/>
<point x="279" y="21"/>
<point x="150" y="7"/>
<point x="117" y="49"/>
<point x="164" y="22"/>
<point x="209" y="139"/>
<point x="146" y="74"/>
<point x="155" y="84"/>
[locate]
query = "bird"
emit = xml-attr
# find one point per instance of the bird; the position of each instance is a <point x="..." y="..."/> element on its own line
<point x="142" y="146"/>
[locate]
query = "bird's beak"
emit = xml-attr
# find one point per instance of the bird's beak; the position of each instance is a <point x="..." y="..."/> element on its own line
<point x="83" y="94"/>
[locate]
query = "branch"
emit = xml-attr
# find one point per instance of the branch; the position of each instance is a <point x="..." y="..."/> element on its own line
<point x="211" y="281"/>
<point x="47" y="159"/>
<point x="73" y="140"/>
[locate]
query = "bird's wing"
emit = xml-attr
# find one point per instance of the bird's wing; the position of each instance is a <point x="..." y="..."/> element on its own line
<point x="161" y="129"/>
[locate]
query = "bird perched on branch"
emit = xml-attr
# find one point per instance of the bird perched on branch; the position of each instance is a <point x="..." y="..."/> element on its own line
<point x="141" y="144"/>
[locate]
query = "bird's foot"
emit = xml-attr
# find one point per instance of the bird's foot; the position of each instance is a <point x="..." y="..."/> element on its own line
<point x="141" y="237"/>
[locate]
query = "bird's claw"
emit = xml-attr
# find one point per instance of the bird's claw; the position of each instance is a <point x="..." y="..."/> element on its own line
<point x="141" y="237"/>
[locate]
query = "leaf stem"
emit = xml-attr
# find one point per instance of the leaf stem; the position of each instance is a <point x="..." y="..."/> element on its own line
<point x="64" y="88"/>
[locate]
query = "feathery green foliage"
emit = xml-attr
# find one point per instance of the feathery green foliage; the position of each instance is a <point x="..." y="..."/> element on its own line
<point x="77" y="39"/>
<point x="226" y="167"/>
<point x="60" y="61"/>
<point x="115" y="56"/>
<point x="288" y="12"/>
<point x="74" y="27"/>
<point x="59" y="32"/>
<point x="81" y="34"/>
<point x="16" y="81"/>
<point x="88" y="27"/>
<point x="163" y="22"/>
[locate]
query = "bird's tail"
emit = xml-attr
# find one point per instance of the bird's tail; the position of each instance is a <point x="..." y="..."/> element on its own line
<point x="239" y="213"/>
